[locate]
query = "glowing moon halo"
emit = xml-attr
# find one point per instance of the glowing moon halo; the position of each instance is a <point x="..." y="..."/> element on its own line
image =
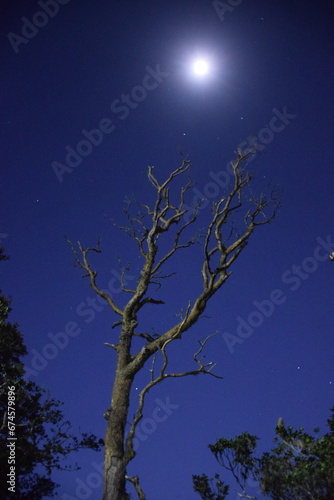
<point x="200" y="67"/>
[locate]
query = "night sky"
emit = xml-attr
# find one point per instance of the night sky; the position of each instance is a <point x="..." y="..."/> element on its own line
<point x="90" y="98"/>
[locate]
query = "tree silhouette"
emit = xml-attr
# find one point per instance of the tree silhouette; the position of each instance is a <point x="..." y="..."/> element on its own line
<point x="301" y="466"/>
<point x="34" y="437"/>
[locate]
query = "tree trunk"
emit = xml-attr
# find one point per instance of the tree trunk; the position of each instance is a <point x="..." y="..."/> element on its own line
<point x="116" y="460"/>
<point x="114" y="483"/>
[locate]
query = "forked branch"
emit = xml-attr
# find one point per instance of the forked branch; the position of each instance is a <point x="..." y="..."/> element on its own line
<point x="219" y="251"/>
<point x="206" y="368"/>
<point x="91" y="274"/>
<point x="135" y="481"/>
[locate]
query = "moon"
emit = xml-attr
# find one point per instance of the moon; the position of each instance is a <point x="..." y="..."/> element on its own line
<point x="200" y="67"/>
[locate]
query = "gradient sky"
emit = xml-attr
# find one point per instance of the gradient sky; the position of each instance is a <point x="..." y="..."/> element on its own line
<point x="271" y="78"/>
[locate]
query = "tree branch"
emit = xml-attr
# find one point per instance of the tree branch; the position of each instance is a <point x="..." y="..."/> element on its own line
<point x="135" y="481"/>
<point x="84" y="264"/>
<point x="202" y="368"/>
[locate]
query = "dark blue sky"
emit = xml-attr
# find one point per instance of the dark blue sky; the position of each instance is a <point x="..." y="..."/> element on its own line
<point x="271" y="78"/>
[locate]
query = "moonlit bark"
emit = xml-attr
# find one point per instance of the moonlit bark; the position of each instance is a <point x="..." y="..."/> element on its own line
<point x="221" y="246"/>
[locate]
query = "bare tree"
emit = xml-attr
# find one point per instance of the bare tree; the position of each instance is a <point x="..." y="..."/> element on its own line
<point x="221" y="245"/>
